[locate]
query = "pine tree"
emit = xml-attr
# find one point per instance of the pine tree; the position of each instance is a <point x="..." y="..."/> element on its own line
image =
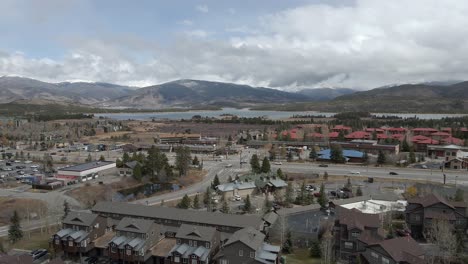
<point x="325" y="176"/>
<point x="137" y="173"/>
<point x="265" y="165"/>
<point x="14" y="232"/>
<point x="279" y="173"/>
<point x="118" y="163"/>
<point x="315" y="250"/>
<point x="381" y="158"/>
<point x="255" y="164"/>
<point x="247" y="204"/>
<point x="336" y="154"/>
<point x="348" y="185"/>
<point x="183" y="159"/>
<point x="359" y="191"/>
<point x="230" y="178"/>
<point x="184" y="203"/>
<point x="89" y="158"/>
<point x="195" y="161"/>
<point x="207" y="196"/>
<point x="289" y="195"/>
<point x="66" y="209"/>
<point x="287" y="245"/>
<point x="196" y="202"/>
<point x="125" y="158"/>
<point x="225" y="207"/>
<point x="404" y="146"/>
<point x="215" y="182"/>
<point x="412" y="156"/>
<point x="313" y="154"/>
<point x="322" y="199"/>
<point x="102" y="158"/>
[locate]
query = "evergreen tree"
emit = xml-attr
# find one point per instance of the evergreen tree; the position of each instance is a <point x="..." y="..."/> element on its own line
<point x="279" y="173"/>
<point x="125" y="158"/>
<point x="313" y="154"/>
<point x="405" y="146"/>
<point x="300" y="198"/>
<point x="118" y="163"/>
<point x="289" y="195"/>
<point x="336" y="154"/>
<point x="230" y="178"/>
<point x="315" y="250"/>
<point x="287" y="245"/>
<point x="137" y="173"/>
<point x="196" y="202"/>
<point x="14" y="232"/>
<point x="265" y="165"/>
<point x="195" y="161"/>
<point x="359" y="191"/>
<point x="207" y="197"/>
<point x="89" y="158"/>
<point x="322" y="199"/>
<point x="247" y="204"/>
<point x="215" y="182"/>
<point x="365" y="158"/>
<point x="182" y="160"/>
<point x="66" y="209"/>
<point x="225" y="207"/>
<point x="267" y="204"/>
<point x="459" y="195"/>
<point x="255" y="164"/>
<point x="102" y="158"/>
<point x="348" y="185"/>
<point x="412" y="156"/>
<point x="184" y="203"/>
<point x="381" y="158"/>
<point x="325" y="176"/>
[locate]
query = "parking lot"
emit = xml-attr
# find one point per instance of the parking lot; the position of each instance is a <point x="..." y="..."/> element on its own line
<point x="16" y="170"/>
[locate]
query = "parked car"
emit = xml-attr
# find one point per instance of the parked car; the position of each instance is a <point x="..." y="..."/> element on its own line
<point x="355" y="172"/>
<point x="323" y="165"/>
<point x="228" y="166"/>
<point x="39" y="254"/>
<point x="278" y="163"/>
<point x="310" y="188"/>
<point x="393" y="173"/>
<point x="237" y="197"/>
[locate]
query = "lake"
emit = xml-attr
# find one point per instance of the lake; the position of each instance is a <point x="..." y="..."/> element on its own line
<point x="275" y="115"/>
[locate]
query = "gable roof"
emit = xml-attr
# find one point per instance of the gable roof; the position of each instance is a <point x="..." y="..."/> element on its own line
<point x="201" y="233"/>
<point x="80" y="218"/>
<point x="134" y="225"/>
<point x="429" y="200"/>
<point x="354" y="218"/>
<point x="248" y="236"/>
<point x="131" y="164"/>
<point x="176" y="214"/>
<point x="399" y="248"/>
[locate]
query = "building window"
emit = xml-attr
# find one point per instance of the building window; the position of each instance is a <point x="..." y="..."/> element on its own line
<point x="241" y="253"/>
<point x="129" y="252"/>
<point x="223" y="261"/>
<point x="113" y="249"/>
<point x="177" y="259"/>
<point x="57" y="241"/>
<point x="252" y="254"/>
<point x="178" y="241"/>
<point x="190" y="242"/>
<point x="184" y="260"/>
<point x="354" y="234"/>
<point x="348" y="245"/>
<point x="416" y="217"/>
<point x="374" y="255"/>
<point x="385" y="260"/>
<point x="194" y="243"/>
<point x="194" y="261"/>
<point x="70" y="243"/>
<point x="207" y="245"/>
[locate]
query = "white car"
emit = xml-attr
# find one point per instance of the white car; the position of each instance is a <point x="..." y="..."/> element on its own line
<point x="354" y="172"/>
<point x="228" y="166"/>
<point x="237" y="197"/>
<point x="278" y="163"/>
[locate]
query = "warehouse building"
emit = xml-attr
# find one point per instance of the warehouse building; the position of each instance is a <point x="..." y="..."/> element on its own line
<point x="85" y="171"/>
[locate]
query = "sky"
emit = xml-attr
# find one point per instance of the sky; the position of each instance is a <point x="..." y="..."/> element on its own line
<point x="288" y="45"/>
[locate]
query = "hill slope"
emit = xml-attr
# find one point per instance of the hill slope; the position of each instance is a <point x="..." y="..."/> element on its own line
<point x="325" y="94"/>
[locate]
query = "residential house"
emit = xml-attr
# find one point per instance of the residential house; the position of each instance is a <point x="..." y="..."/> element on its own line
<point x="195" y="244"/>
<point x="423" y="131"/>
<point x="400" y="250"/>
<point x="353" y="231"/>
<point x="241" y="188"/>
<point x="79" y="230"/>
<point x="444" y="151"/>
<point x="247" y="246"/>
<point x="422" y="211"/>
<point x="133" y="241"/>
<point x="127" y="168"/>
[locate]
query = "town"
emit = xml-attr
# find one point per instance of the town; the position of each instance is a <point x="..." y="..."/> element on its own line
<point x="343" y="189"/>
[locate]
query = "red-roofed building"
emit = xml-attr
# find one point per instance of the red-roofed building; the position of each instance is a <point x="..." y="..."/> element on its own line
<point x="440" y="135"/>
<point x="425" y="131"/>
<point x="395" y="130"/>
<point x="419" y="138"/>
<point x="333" y="135"/>
<point x="377" y="130"/>
<point x="399" y="137"/>
<point x="358" y="135"/>
<point x="446" y="129"/>
<point x="382" y="136"/>
<point x="452" y="140"/>
<point x="464" y="131"/>
<point x="339" y="128"/>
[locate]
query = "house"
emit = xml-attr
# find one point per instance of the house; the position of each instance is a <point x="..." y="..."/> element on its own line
<point x="79" y="230"/>
<point x="423" y="131"/>
<point x="195" y="244"/>
<point x="445" y="151"/>
<point x="399" y="250"/>
<point x="247" y="246"/>
<point x="395" y="130"/>
<point x="422" y="211"/>
<point x="133" y="241"/>
<point x="353" y="231"/>
<point x="341" y="128"/>
<point x="175" y="138"/>
<point x="456" y="163"/>
<point x="231" y="189"/>
<point x="358" y="135"/>
<point x="369" y="146"/>
<point x="127" y="168"/>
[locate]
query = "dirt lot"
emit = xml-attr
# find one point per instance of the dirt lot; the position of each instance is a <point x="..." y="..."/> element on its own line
<point x="33" y="207"/>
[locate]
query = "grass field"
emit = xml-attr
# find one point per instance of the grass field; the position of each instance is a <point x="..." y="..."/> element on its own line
<point x="301" y="256"/>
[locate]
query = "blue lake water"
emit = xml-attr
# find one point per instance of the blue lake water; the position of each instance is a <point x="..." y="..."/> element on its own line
<point x="275" y="115"/>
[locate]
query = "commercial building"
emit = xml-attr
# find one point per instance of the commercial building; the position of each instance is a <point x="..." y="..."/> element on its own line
<point x="85" y="171"/>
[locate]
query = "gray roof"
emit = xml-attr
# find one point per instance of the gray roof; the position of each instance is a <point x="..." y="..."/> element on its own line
<point x="78" y="236"/>
<point x="186" y="250"/>
<point x="227" y="187"/>
<point x="176" y="214"/>
<point x="131" y="164"/>
<point x="278" y="183"/>
<point x="64" y="232"/>
<point x="87" y="166"/>
<point x="200" y="233"/>
<point x="80" y="218"/>
<point x="270" y="218"/>
<point x="134" y="225"/>
<point x="248" y="236"/>
<point x="298" y="209"/>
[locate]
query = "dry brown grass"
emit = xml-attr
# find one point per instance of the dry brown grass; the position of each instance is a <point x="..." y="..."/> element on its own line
<point x="22" y="206"/>
<point x="192" y="177"/>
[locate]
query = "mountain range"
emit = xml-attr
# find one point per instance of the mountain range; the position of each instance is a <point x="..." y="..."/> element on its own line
<point x="426" y="97"/>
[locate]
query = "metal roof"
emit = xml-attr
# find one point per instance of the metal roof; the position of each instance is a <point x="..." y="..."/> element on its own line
<point x="201" y="233"/>
<point x="176" y="214"/>
<point x="134" y="225"/>
<point x="87" y="166"/>
<point x="80" y="218"/>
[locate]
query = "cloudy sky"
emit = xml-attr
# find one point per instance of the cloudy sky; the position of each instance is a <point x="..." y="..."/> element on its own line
<point x="281" y="44"/>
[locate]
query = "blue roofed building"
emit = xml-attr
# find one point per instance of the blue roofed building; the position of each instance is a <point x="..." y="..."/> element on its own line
<point x="349" y="155"/>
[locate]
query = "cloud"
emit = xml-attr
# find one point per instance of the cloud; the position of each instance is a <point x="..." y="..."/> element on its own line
<point x="365" y="45"/>
<point x="186" y="22"/>
<point x="202" y="8"/>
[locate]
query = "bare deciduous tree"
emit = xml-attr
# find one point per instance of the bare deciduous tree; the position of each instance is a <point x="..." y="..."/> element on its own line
<point x="442" y="236"/>
<point x="327" y="242"/>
